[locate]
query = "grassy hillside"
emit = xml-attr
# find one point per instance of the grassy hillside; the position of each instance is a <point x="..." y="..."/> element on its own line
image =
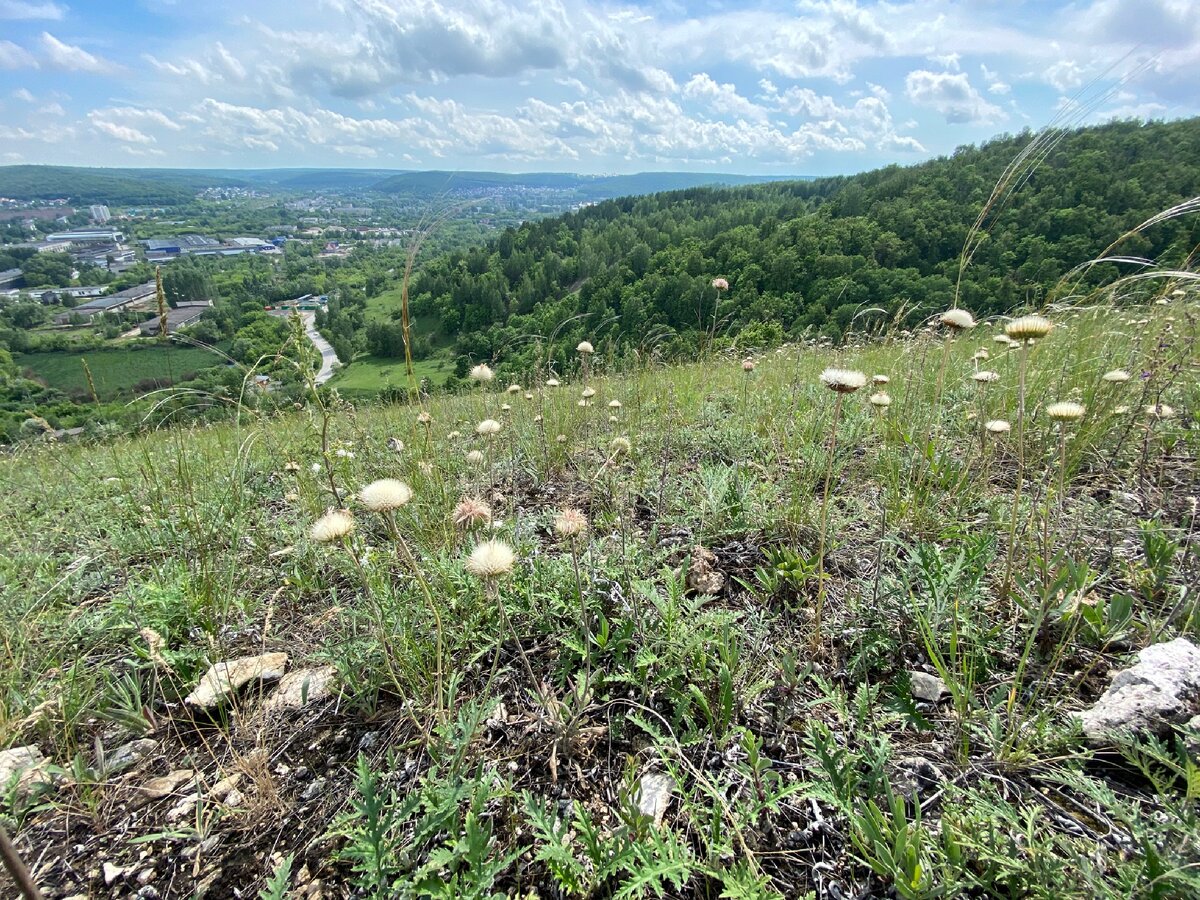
<point x="723" y="686"/>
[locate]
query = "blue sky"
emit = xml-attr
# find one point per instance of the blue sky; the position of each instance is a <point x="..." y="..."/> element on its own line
<point x="807" y="87"/>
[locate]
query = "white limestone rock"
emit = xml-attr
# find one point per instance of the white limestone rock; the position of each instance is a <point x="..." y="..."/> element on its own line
<point x="1160" y="690"/>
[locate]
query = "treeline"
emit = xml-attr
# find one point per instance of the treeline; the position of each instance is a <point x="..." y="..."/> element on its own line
<point x="810" y="255"/>
<point x="125" y="187"/>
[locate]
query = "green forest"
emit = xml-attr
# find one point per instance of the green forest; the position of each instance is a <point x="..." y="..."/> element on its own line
<point x="808" y="255"/>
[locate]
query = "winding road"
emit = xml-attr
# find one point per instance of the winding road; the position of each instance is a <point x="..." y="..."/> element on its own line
<point x="328" y="357"/>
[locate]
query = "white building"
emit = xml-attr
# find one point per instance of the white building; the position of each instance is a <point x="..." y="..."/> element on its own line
<point x="100" y="214"/>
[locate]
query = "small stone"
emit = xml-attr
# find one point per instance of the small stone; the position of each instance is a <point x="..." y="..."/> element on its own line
<point x="925" y="686"/>
<point x="224" y="678"/>
<point x="915" y="775"/>
<point x="157" y="788"/>
<point x="127" y="756"/>
<point x="302" y="687"/>
<point x="22" y="769"/>
<point x="654" y="795"/>
<point x="145" y="876"/>
<point x="1160" y="690"/>
<point x="314" y="790"/>
<point x="225" y="786"/>
<point x="234" y="798"/>
<point x="183" y="808"/>
<point x="112" y="873"/>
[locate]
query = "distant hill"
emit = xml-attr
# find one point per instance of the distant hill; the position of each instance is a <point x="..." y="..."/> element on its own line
<point x="588" y="187"/>
<point x="116" y="186"/>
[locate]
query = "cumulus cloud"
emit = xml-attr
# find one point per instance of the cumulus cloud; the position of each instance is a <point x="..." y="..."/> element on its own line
<point x="126" y="133"/>
<point x="24" y="9"/>
<point x="73" y="59"/>
<point x="14" y="56"/>
<point x="722" y="98"/>
<point x="952" y="95"/>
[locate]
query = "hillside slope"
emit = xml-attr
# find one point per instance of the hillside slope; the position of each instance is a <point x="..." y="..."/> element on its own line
<point x="814" y="254"/>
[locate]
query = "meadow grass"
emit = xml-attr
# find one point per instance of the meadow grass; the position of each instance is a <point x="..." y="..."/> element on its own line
<point x="493" y="736"/>
<point x="116" y="371"/>
<point x="368" y="375"/>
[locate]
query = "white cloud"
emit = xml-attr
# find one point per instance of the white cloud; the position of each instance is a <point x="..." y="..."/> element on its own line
<point x="52" y="109"/>
<point x="1064" y="76"/>
<point x="14" y="56"/>
<point x="126" y="133"/>
<point x="722" y="98"/>
<point x="951" y="95"/>
<point x="25" y="95"/>
<point x="23" y="9"/>
<point x="137" y="114"/>
<point x="71" y="58"/>
<point x="992" y="79"/>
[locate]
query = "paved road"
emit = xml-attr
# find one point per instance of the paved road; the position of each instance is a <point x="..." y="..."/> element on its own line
<point x="328" y="357"/>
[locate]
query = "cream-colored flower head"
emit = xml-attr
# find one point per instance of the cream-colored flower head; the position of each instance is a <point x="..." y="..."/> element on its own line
<point x="385" y="494"/>
<point x="748" y="364"/>
<point x="1116" y="376"/>
<point x="844" y="381"/>
<point x="997" y="426"/>
<point x="475" y="457"/>
<point x="720" y="284"/>
<point x="471" y="511"/>
<point x="585" y="347"/>
<point x="552" y="382"/>
<point x="334" y="525"/>
<point x="424" y="418"/>
<point x="1121" y="410"/>
<point x="562" y="439"/>
<point x="504" y="407"/>
<point x="588" y="393"/>
<point x="488" y="427"/>
<point x="570" y="523"/>
<point x="291" y="466"/>
<point x="880" y="379"/>
<point x="1065" y="411"/>
<point x="986" y="377"/>
<point x="957" y="320"/>
<point x="1005" y="340"/>
<point x="614" y="404"/>
<point x="482" y="373"/>
<point x="528" y="395"/>
<point x="514" y="389"/>
<point x="880" y="400"/>
<point x="454" y="435"/>
<point x="613" y="419"/>
<point x="981" y="355"/>
<point x="1028" y="328"/>
<point x="620" y="445"/>
<point x="491" y="559"/>
<point x="1160" y="411"/>
<point x="581" y="402"/>
<point x="395" y="445"/>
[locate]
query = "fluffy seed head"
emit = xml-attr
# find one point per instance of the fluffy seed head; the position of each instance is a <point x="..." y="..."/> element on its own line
<point x="482" y="373"/>
<point x="475" y="457"/>
<point x="334" y="525"/>
<point x="844" y="381"/>
<point x="552" y="382"/>
<point x="720" y="284"/>
<point x="997" y="426"/>
<point x="613" y="419"/>
<point x="588" y="393"/>
<point x="880" y="400"/>
<point x="454" y="435"/>
<point x="585" y="347"/>
<point x="981" y="354"/>
<point x="748" y="365"/>
<point x="424" y="418"/>
<point x="1065" y="411"/>
<point x="291" y="466"/>
<point x="1028" y="328"/>
<point x="1160" y="411"/>
<point x="514" y="389"/>
<point x="1005" y="341"/>
<point x="471" y="511"/>
<point x="957" y="319"/>
<point x="528" y="396"/>
<point x="385" y="494"/>
<point x="570" y="523"/>
<point x="985" y="377"/>
<point x="504" y="407"/>
<point x="395" y="445"/>
<point x="620" y="445"/>
<point x="491" y="559"/>
<point x="488" y="427"/>
<point x="879" y="379"/>
<point x="1116" y="376"/>
<point x="562" y="439"/>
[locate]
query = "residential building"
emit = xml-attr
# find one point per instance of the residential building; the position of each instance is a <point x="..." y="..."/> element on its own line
<point x="99" y="214"/>
<point x="118" y="302"/>
<point x="177" y="318"/>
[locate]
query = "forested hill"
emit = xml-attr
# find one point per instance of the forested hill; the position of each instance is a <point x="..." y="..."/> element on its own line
<point x="812" y="253"/>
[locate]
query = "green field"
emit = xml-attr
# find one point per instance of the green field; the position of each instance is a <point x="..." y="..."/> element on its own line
<point x="116" y="371"/>
<point x="368" y="375"/>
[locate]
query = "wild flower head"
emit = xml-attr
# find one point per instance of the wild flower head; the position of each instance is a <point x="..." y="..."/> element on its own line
<point x="1028" y="328"/>
<point x="843" y="381"/>
<point x="471" y="511"/>
<point x="585" y="347"/>
<point x="997" y="426"/>
<point x="482" y="373"/>
<point x="748" y="365"/>
<point x="385" y="494"/>
<point x="570" y="523"/>
<point x="1116" y="376"/>
<point x="880" y="400"/>
<point x="333" y="526"/>
<point x="1065" y="411"/>
<point x="491" y="559"/>
<point x="488" y="427"/>
<point x="957" y="319"/>
<point x="986" y="377"/>
<point x="720" y="284"/>
<point x="620" y="445"/>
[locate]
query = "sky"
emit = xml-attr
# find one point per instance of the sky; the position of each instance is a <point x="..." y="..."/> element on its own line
<point x="807" y="87"/>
